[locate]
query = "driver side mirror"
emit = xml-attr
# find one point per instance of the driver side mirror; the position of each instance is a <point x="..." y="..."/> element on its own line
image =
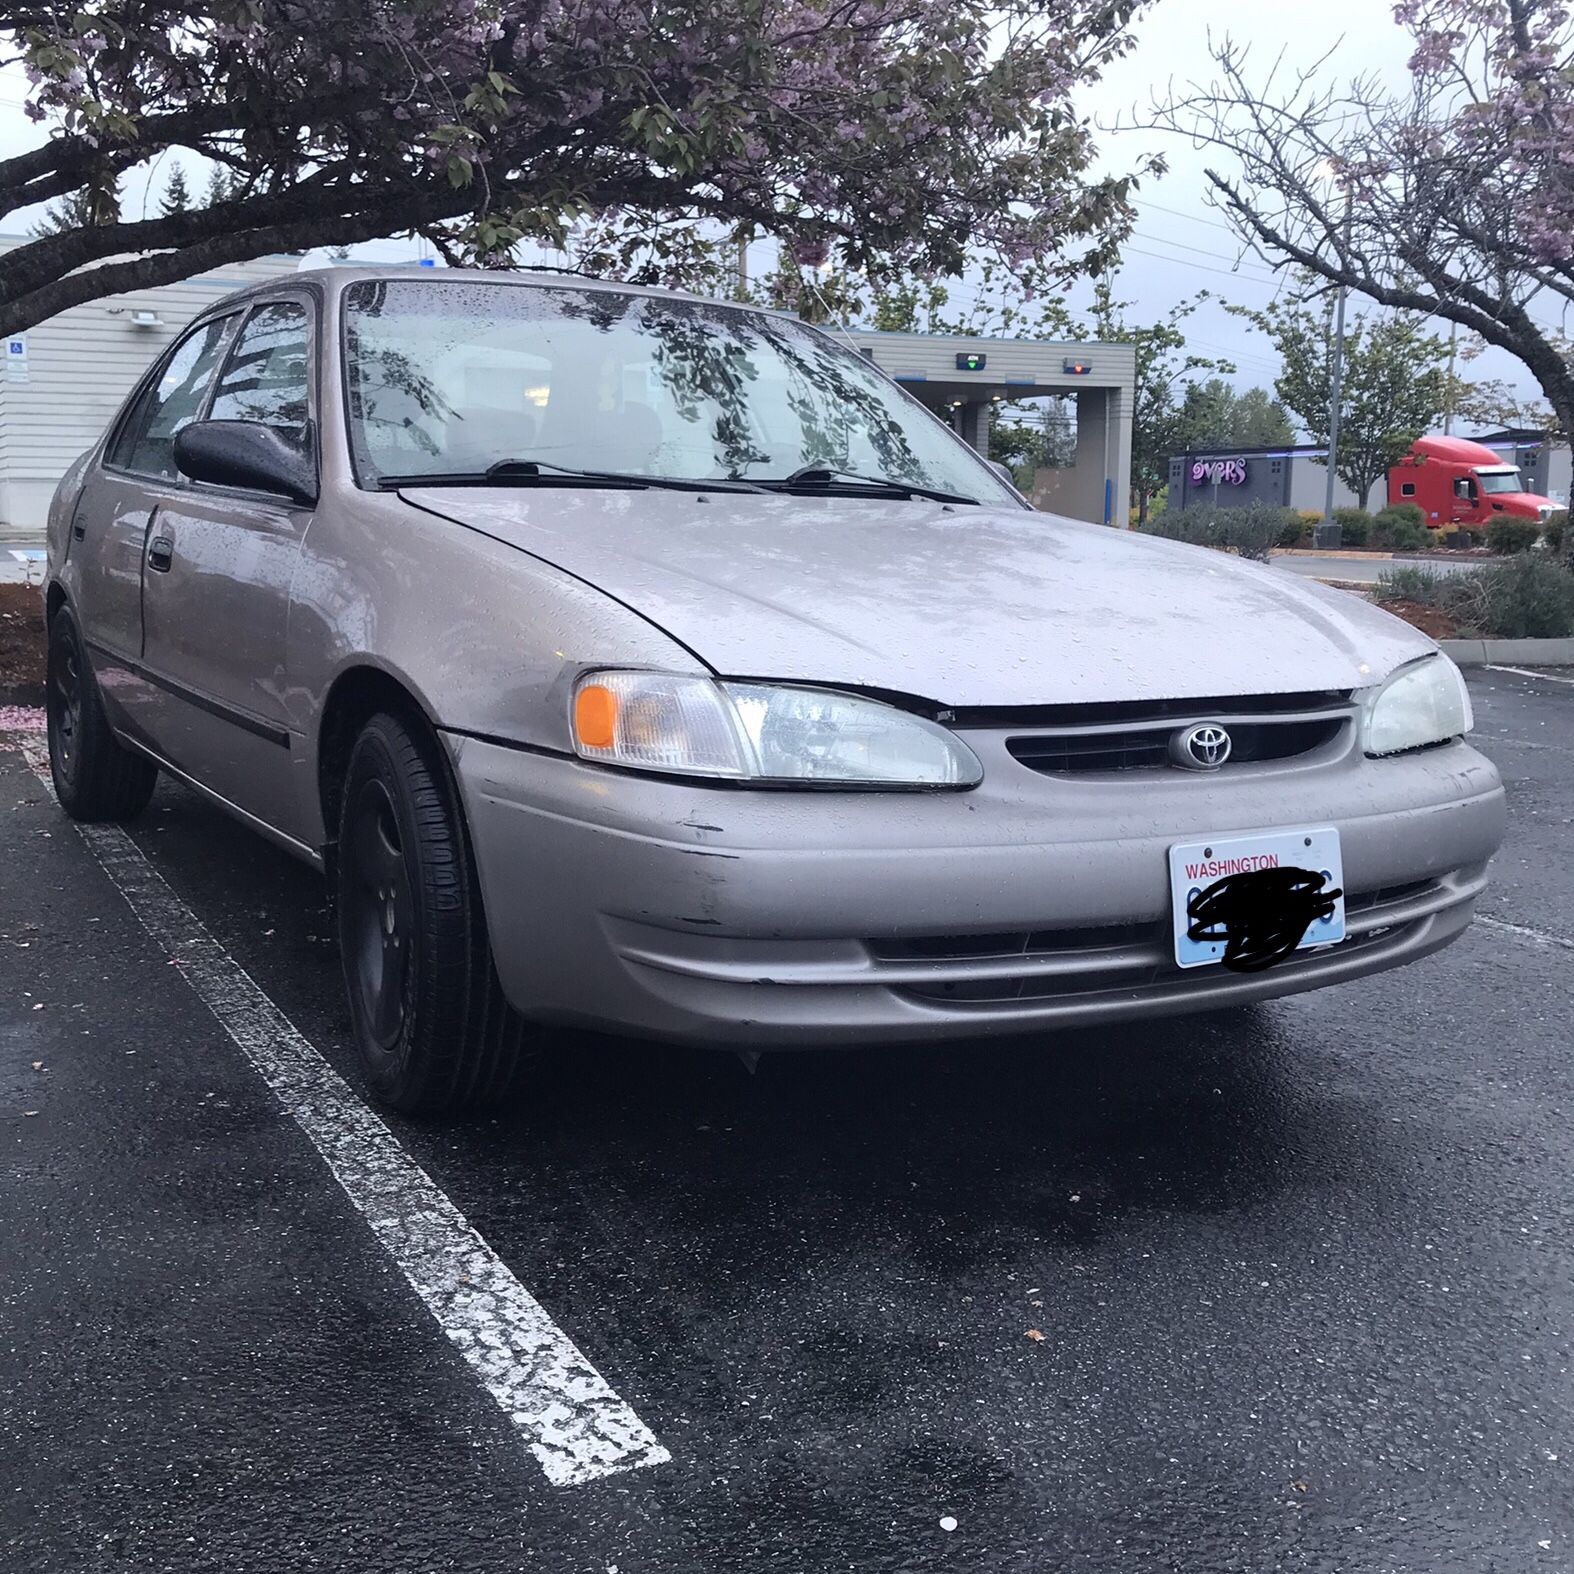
<point x="245" y="454"/>
<point x="1004" y="472"/>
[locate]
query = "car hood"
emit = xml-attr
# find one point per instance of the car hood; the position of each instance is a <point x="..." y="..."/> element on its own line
<point x="964" y="606"/>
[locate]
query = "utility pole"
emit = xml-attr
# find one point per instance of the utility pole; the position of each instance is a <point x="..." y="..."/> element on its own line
<point x="1337" y="379"/>
<point x="743" y="265"/>
<point x="1448" y="408"/>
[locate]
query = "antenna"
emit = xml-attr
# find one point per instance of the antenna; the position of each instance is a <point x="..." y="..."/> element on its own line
<point x="830" y="317"/>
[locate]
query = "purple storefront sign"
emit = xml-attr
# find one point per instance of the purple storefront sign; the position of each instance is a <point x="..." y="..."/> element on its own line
<point x="1205" y="471"/>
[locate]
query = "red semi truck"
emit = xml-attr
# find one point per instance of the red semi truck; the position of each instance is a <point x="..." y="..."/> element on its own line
<point x="1455" y="482"/>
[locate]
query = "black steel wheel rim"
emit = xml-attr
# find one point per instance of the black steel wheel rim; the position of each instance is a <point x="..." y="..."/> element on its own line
<point x="380" y="913"/>
<point x="65" y="692"/>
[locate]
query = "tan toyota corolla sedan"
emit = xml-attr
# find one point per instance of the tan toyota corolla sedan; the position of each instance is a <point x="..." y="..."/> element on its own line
<point x="657" y="664"/>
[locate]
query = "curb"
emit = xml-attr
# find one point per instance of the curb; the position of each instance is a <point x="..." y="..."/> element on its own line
<point x="1348" y="554"/>
<point x="1510" y="652"/>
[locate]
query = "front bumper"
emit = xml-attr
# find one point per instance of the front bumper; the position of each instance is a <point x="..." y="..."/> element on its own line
<point x="770" y="919"/>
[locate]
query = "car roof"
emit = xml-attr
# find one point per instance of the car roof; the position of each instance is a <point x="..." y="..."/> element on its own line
<point x="335" y="278"/>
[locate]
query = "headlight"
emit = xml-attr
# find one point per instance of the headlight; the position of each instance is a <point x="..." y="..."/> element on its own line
<point x="658" y="721"/>
<point x="1426" y="702"/>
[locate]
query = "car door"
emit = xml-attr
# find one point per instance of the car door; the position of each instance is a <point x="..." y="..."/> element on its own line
<point x="216" y="587"/>
<point x="109" y="529"/>
<point x="1467" y="503"/>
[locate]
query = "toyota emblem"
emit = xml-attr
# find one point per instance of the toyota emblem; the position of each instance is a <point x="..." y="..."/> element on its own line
<point x="1202" y="748"/>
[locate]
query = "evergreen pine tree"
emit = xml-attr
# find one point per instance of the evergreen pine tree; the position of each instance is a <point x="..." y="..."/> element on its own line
<point x="177" y="195"/>
<point x="78" y="209"/>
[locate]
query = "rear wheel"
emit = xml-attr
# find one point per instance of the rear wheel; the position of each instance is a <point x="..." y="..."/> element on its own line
<point x="96" y="777"/>
<point x="431" y="1024"/>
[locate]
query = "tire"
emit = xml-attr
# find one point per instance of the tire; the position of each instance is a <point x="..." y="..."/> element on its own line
<point x="96" y="777"/>
<point x="431" y="1025"/>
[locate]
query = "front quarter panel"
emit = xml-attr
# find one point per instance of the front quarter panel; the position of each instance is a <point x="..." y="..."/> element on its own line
<point x="485" y="637"/>
<point x="62" y="508"/>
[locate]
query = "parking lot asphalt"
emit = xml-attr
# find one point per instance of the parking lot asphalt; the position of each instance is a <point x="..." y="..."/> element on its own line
<point x="1302" y="1278"/>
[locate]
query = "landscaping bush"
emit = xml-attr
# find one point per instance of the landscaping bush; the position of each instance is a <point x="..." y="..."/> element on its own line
<point x="1507" y="536"/>
<point x="1401" y="527"/>
<point x="1555" y="529"/>
<point x="1295" y="532"/>
<point x="1392" y="511"/>
<point x="1430" y="587"/>
<point x="1523" y="597"/>
<point x="1248" y="532"/>
<point x="1355" y="526"/>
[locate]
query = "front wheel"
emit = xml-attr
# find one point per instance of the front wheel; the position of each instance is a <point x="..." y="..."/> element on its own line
<point x="431" y="1024"/>
<point x="95" y="776"/>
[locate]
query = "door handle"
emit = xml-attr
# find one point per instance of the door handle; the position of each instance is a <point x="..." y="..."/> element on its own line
<point x="161" y="553"/>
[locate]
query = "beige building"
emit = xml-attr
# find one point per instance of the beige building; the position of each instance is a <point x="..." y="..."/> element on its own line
<point x="63" y="380"/>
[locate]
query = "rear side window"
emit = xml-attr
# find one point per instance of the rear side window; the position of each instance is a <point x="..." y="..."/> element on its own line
<point x="146" y="442"/>
<point x="1407" y="489"/>
<point x="265" y="377"/>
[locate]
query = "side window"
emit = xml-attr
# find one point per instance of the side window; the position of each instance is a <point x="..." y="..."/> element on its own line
<point x="265" y="377"/>
<point x="146" y="442"/>
<point x="1407" y="489"/>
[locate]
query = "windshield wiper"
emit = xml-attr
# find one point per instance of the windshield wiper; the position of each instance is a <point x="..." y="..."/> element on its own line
<point x="539" y="472"/>
<point x="826" y="475"/>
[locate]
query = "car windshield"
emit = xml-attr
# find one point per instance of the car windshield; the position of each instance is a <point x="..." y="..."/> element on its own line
<point x="1500" y="481"/>
<point x="450" y="377"/>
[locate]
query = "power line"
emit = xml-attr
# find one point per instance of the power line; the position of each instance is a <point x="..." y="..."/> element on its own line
<point x="1194" y="218"/>
<point x="1252" y="269"/>
<point x="1259" y="361"/>
<point x="1229" y="273"/>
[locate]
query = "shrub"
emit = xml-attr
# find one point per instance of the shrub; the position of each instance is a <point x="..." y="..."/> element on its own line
<point x="1429" y="587"/>
<point x="1401" y="527"/>
<point x="1507" y="536"/>
<point x="1355" y="526"/>
<point x="1248" y="532"/>
<point x="1555" y="529"/>
<point x="1523" y="597"/>
<point x="1295" y="531"/>
<point x="1392" y="511"/>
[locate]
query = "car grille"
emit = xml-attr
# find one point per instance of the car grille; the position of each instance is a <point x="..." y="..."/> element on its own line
<point x="1276" y="727"/>
<point x="1043" y="963"/>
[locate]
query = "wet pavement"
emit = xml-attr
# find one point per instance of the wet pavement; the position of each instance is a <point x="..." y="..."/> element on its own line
<point x="1303" y="1276"/>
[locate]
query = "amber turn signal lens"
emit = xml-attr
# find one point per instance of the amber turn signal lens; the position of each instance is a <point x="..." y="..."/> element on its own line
<point x="595" y="716"/>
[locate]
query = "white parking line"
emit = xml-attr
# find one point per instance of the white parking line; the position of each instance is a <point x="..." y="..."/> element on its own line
<point x="1529" y="672"/>
<point x="1523" y="932"/>
<point x="1520" y="743"/>
<point x="577" y="1427"/>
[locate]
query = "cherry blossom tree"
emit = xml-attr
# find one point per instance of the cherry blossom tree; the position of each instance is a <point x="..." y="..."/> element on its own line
<point x="648" y="136"/>
<point x="1454" y="197"/>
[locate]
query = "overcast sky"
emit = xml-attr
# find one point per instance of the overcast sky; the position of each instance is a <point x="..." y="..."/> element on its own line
<point x="1180" y="246"/>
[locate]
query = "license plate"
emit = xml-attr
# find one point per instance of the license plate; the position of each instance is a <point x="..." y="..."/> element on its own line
<point x="1198" y="866"/>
